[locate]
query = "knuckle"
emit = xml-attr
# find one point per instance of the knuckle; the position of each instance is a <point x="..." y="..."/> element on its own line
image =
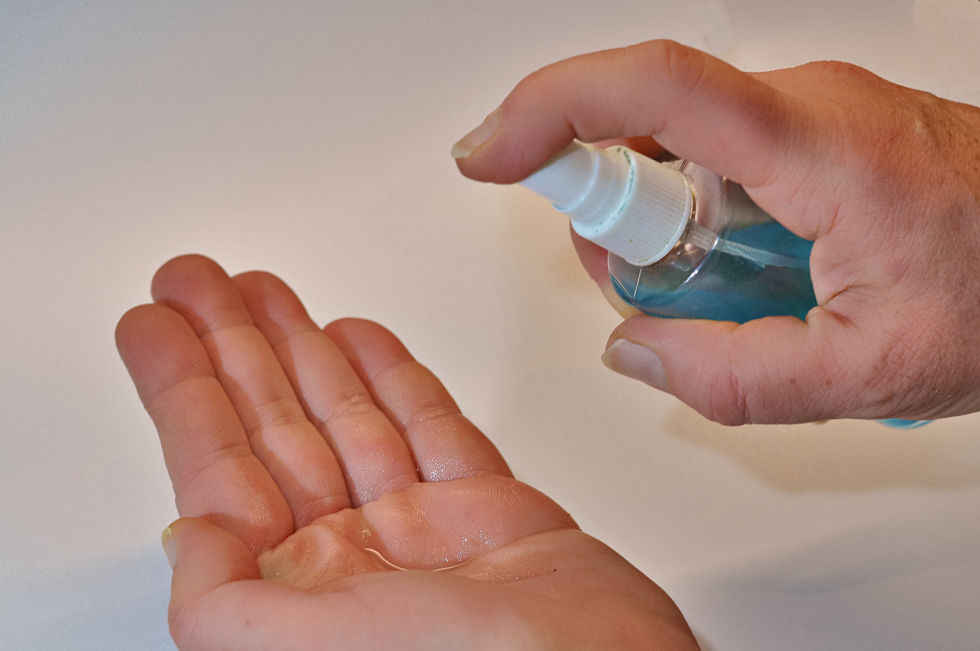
<point x="728" y="404"/>
<point x="682" y="67"/>
<point x="725" y="399"/>
<point x="352" y="405"/>
<point x="846" y="69"/>
<point x="839" y="71"/>
<point x="280" y="411"/>
<point x="677" y="69"/>
<point x="433" y="413"/>
<point x="210" y="464"/>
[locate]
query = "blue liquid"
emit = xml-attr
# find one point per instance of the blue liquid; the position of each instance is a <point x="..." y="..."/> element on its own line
<point x="765" y="273"/>
<point x="738" y="285"/>
<point x="901" y="423"/>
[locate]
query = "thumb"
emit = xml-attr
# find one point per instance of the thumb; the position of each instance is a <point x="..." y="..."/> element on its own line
<point x="771" y="370"/>
<point x="203" y="556"/>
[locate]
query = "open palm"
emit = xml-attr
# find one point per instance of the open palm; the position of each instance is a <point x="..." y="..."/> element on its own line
<point x="333" y="496"/>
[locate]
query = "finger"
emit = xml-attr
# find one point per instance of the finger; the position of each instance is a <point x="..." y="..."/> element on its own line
<point x="372" y="454"/>
<point x="446" y="445"/>
<point x="642" y="144"/>
<point x="279" y="434"/>
<point x="772" y="370"/>
<point x="693" y="104"/>
<point x="204" y="557"/>
<point x="218" y="600"/>
<point x="214" y="473"/>
<point x="593" y="258"/>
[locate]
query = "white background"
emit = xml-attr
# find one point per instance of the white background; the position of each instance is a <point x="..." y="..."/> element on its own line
<point x="312" y="139"/>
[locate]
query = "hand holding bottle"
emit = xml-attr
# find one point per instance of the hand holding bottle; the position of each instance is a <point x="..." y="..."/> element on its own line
<point x="884" y="179"/>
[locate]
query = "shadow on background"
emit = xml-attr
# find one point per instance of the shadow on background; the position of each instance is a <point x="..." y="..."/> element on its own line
<point x="869" y="587"/>
<point x="845" y="455"/>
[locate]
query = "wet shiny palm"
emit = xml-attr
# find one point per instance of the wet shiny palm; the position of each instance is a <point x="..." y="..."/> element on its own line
<point x="332" y="495"/>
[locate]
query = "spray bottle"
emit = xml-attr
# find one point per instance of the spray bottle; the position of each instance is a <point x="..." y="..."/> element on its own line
<point x="682" y="241"/>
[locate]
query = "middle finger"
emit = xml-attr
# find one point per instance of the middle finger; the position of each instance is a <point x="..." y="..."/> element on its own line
<point x="374" y="457"/>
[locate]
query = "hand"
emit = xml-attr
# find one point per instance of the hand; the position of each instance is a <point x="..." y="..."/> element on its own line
<point x="308" y="464"/>
<point x="884" y="179"/>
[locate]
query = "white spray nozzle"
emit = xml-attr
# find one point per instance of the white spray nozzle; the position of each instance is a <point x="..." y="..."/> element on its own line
<point x="626" y="203"/>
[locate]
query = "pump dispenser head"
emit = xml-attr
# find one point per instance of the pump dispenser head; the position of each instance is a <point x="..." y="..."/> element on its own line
<point x="629" y="204"/>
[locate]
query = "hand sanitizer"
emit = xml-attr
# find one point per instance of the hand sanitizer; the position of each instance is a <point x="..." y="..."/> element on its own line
<point x="682" y="241"/>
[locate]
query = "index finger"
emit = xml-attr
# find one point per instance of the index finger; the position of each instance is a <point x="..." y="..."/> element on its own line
<point x="206" y="449"/>
<point x="695" y="105"/>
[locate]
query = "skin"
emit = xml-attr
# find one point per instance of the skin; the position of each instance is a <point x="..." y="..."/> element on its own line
<point x="299" y="455"/>
<point x="885" y="180"/>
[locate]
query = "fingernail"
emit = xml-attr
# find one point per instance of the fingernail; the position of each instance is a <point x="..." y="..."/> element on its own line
<point x="637" y="362"/>
<point x="169" y="546"/>
<point x="472" y="141"/>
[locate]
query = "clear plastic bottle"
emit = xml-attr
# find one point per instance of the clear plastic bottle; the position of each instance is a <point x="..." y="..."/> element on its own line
<point x="733" y="262"/>
<point x="682" y="241"/>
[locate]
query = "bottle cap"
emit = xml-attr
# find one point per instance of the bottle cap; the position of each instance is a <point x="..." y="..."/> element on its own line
<point x="628" y="204"/>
